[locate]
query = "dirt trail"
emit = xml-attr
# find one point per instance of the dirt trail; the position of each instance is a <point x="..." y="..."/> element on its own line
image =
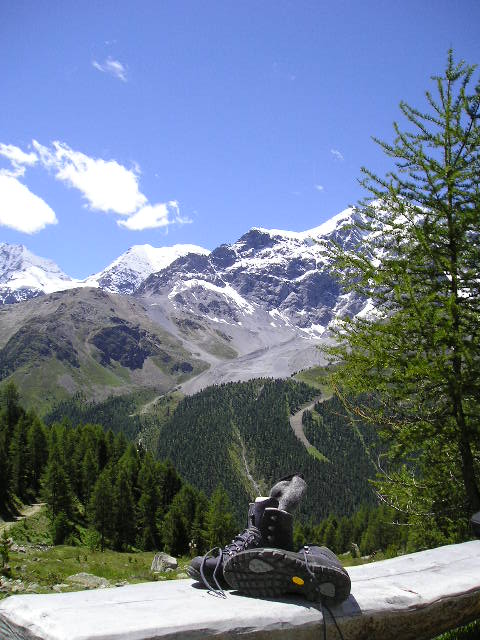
<point x="296" y="421"/>
<point x="26" y="512"/>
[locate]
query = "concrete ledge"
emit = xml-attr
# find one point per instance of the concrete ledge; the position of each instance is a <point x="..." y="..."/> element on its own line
<point x="412" y="597"/>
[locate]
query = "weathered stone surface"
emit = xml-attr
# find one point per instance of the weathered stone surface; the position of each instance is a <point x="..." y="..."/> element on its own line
<point x="60" y="587"/>
<point x="413" y="597"/>
<point x="88" y="580"/>
<point x="162" y="562"/>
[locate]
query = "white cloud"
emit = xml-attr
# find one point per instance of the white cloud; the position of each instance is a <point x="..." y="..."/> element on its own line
<point x="17" y="158"/>
<point x="113" y="67"/>
<point x="105" y="184"/>
<point x="154" y="216"/>
<point x="319" y="187"/>
<point x="22" y="210"/>
<point x="336" y="154"/>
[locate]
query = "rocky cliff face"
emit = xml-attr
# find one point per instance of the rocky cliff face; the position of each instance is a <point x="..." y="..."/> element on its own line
<point x="282" y="273"/>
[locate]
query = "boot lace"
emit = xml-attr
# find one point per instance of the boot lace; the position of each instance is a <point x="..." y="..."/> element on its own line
<point x="323" y="604"/>
<point x="250" y="537"/>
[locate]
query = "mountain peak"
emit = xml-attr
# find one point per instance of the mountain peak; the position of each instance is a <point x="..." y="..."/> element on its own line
<point x="126" y="273"/>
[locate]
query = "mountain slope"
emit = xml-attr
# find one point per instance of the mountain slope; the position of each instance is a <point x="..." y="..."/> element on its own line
<point x="128" y="271"/>
<point x="24" y="275"/>
<point x="239" y="435"/>
<point x="90" y="341"/>
<point x="281" y="273"/>
<point x="257" y="307"/>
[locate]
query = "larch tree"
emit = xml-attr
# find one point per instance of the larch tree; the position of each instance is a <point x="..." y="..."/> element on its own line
<point x="418" y="351"/>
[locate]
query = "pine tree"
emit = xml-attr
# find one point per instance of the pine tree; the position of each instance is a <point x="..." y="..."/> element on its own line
<point x="56" y="486"/>
<point x="4" y="474"/>
<point x="10" y="404"/>
<point x="19" y="459"/>
<point x="100" y="507"/>
<point x="177" y="528"/>
<point x="89" y="474"/>
<point x="148" y="504"/>
<point x="37" y="451"/>
<point x="418" y="356"/>
<point x="124" y="510"/>
<point x="220" y="525"/>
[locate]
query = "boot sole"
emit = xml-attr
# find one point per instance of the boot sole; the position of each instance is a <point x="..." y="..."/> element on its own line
<point x="273" y="572"/>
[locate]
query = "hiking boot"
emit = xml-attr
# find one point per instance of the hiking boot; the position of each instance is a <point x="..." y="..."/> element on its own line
<point x="267" y="524"/>
<point x="314" y="572"/>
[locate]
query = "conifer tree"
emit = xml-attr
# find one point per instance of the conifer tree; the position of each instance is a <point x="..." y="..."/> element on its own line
<point x="170" y="484"/>
<point x="177" y="529"/>
<point x="418" y="354"/>
<point x="148" y="504"/>
<point x="56" y="486"/>
<point x="19" y="459"/>
<point x="37" y="450"/>
<point x="220" y="525"/>
<point x="100" y="507"/>
<point x="10" y="404"/>
<point x="4" y="474"/>
<point x="197" y="534"/>
<point x="124" y="511"/>
<point x="89" y="474"/>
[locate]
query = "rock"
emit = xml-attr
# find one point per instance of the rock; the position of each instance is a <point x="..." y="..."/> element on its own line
<point x="89" y="581"/>
<point x="162" y="562"/>
<point x="169" y="570"/>
<point x="18" y="549"/>
<point x="59" y="587"/>
<point x="17" y="587"/>
<point x="182" y="575"/>
<point x="33" y="587"/>
<point x="121" y="584"/>
<point x="411" y="597"/>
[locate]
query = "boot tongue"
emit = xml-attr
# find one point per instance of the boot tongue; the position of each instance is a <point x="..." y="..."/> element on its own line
<point x="256" y="509"/>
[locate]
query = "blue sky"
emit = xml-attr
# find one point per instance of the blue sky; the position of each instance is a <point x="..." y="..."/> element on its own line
<point x="187" y="121"/>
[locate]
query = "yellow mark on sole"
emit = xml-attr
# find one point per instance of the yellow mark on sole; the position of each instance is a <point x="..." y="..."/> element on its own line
<point x="298" y="581"/>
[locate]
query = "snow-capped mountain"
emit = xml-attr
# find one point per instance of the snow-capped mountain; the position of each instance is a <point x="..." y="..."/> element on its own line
<point x="128" y="271"/>
<point x="24" y="275"/>
<point x="249" y="309"/>
<point x="283" y="273"/>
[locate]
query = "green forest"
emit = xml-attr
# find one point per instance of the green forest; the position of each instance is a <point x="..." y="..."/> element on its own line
<point x="225" y="433"/>
<point x="101" y="489"/>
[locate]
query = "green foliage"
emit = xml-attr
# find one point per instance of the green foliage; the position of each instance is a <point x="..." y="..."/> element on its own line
<point x="60" y="528"/>
<point x="57" y="491"/>
<point x="87" y="476"/>
<point x="124" y="511"/>
<point x="419" y="354"/>
<point x="372" y="529"/>
<point x="211" y="435"/>
<point x="468" y="632"/>
<point x="100" y="507"/>
<point x="220" y="526"/>
<point x="179" y="525"/>
<point x="91" y="539"/>
<point x="5" y="544"/>
<point x="117" y="413"/>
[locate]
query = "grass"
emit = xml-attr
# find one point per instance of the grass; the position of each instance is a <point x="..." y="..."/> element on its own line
<point x="468" y="632"/>
<point x="316" y="377"/>
<point x="50" y="565"/>
<point x="46" y="565"/>
<point x="313" y="451"/>
<point x="53" y="566"/>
